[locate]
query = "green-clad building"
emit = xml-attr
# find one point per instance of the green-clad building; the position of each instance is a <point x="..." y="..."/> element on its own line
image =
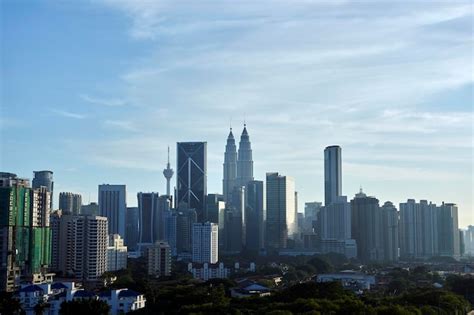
<point x="25" y="235"/>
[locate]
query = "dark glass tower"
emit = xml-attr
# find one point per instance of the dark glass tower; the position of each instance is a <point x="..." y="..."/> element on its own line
<point x="332" y="174"/>
<point x="230" y="167"/>
<point x="244" y="160"/>
<point x="255" y="216"/>
<point x="191" y="179"/>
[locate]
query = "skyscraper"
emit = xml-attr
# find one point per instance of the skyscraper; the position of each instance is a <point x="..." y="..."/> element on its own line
<point x="255" y="215"/>
<point x="367" y="227"/>
<point x="168" y="173"/>
<point x="112" y="205"/>
<point x="390" y="231"/>
<point x="191" y="180"/>
<point x="448" y="235"/>
<point x="311" y="212"/>
<point x="83" y="245"/>
<point x="230" y="167"/>
<point x="332" y="174"/>
<point x="281" y="219"/>
<point x="25" y="235"/>
<point x="418" y="229"/>
<point x="244" y="159"/>
<point x="44" y="178"/>
<point x="70" y="202"/>
<point x="215" y="206"/>
<point x="148" y="214"/>
<point x="131" y="228"/>
<point x="335" y="220"/>
<point x="205" y="243"/>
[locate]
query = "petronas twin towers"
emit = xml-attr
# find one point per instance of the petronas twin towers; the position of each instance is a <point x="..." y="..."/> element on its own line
<point x="238" y="166"/>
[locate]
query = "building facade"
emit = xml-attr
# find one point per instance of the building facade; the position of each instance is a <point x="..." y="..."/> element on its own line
<point x="255" y="216"/>
<point x="44" y="178"/>
<point x="149" y="218"/>
<point x="159" y="259"/>
<point x="113" y="205"/>
<point x="70" y="202"/>
<point x="280" y="201"/>
<point x="244" y="159"/>
<point x="116" y="253"/>
<point x="230" y="167"/>
<point x="191" y="179"/>
<point x="205" y="243"/>
<point x="332" y="174"/>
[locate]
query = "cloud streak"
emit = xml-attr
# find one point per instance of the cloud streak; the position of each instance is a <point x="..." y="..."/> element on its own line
<point x="68" y="114"/>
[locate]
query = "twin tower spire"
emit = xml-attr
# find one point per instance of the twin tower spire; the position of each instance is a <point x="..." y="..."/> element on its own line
<point x="238" y="166"/>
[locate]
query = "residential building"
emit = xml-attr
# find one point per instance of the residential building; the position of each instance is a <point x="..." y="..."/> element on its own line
<point x="205" y="243"/>
<point x="116" y="253"/>
<point x="90" y="209"/>
<point x="390" y="231"/>
<point x="335" y="220"/>
<point x="159" y="259"/>
<point x="366" y="227"/>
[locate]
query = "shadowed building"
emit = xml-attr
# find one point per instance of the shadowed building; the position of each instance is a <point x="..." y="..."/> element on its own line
<point x="191" y="180"/>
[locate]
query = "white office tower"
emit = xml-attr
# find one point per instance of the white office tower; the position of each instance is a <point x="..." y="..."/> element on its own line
<point x="116" y="253"/>
<point x="112" y="205"/>
<point x="281" y="220"/>
<point x="205" y="242"/>
<point x="159" y="259"/>
<point x="469" y="241"/>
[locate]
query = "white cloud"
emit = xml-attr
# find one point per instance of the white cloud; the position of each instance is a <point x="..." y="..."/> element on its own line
<point x="68" y="114"/>
<point x="120" y="124"/>
<point x="112" y="102"/>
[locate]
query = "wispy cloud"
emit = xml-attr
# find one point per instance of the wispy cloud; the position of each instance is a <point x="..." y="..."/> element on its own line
<point x="121" y="124"/>
<point x="112" y="102"/>
<point x="68" y="114"/>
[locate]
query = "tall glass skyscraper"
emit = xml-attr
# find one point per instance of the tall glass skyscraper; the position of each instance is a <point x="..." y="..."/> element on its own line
<point x="281" y="220"/>
<point x="112" y="205"/>
<point x="244" y="159"/>
<point x="332" y="174"/>
<point x="191" y="179"/>
<point x="148" y="214"/>
<point x="255" y="215"/>
<point x="230" y="167"/>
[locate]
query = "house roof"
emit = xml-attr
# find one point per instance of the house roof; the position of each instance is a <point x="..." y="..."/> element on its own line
<point x="83" y="294"/>
<point x="31" y="288"/>
<point x="128" y="293"/>
<point x="58" y="286"/>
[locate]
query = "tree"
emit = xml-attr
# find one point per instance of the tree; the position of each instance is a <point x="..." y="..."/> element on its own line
<point x="40" y="307"/>
<point x="84" y="306"/>
<point x="9" y="304"/>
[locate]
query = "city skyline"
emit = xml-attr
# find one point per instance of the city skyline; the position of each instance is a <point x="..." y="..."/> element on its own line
<point x="109" y="108"/>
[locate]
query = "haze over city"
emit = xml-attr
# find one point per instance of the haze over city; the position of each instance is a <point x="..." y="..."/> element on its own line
<point x="97" y="90"/>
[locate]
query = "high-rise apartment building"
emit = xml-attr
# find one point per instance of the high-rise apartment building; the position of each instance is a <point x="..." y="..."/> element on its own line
<point x="281" y="219"/>
<point x="159" y="259"/>
<point x="116" y="253"/>
<point x="230" y="167"/>
<point x="390" y="231"/>
<point x="25" y="235"/>
<point x="191" y="180"/>
<point x="418" y="229"/>
<point x="366" y="227"/>
<point x="205" y="243"/>
<point x="149" y="217"/>
<point x="244" y="159"/>
<point x="112" y="205"/>
<point x="448" y="230"/>
<point x="255" y="216"/>
<point x="70" y="202"/>
<point x="335" y="220"/>
<point x="83" y="246"/>
<point x="332" y="174"/>
<point x="44" y="178"/>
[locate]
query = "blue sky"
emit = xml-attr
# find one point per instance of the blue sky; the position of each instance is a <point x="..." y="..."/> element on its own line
<point x="96" y="90"/>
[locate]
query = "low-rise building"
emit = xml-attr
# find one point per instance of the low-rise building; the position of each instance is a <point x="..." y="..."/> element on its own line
<point x="354" y="281"/>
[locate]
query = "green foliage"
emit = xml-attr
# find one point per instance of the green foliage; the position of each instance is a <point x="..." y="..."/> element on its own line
<point x="84" y="306"/>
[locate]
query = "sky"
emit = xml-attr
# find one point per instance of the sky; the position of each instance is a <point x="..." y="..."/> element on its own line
<point x="96" y="90"/>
